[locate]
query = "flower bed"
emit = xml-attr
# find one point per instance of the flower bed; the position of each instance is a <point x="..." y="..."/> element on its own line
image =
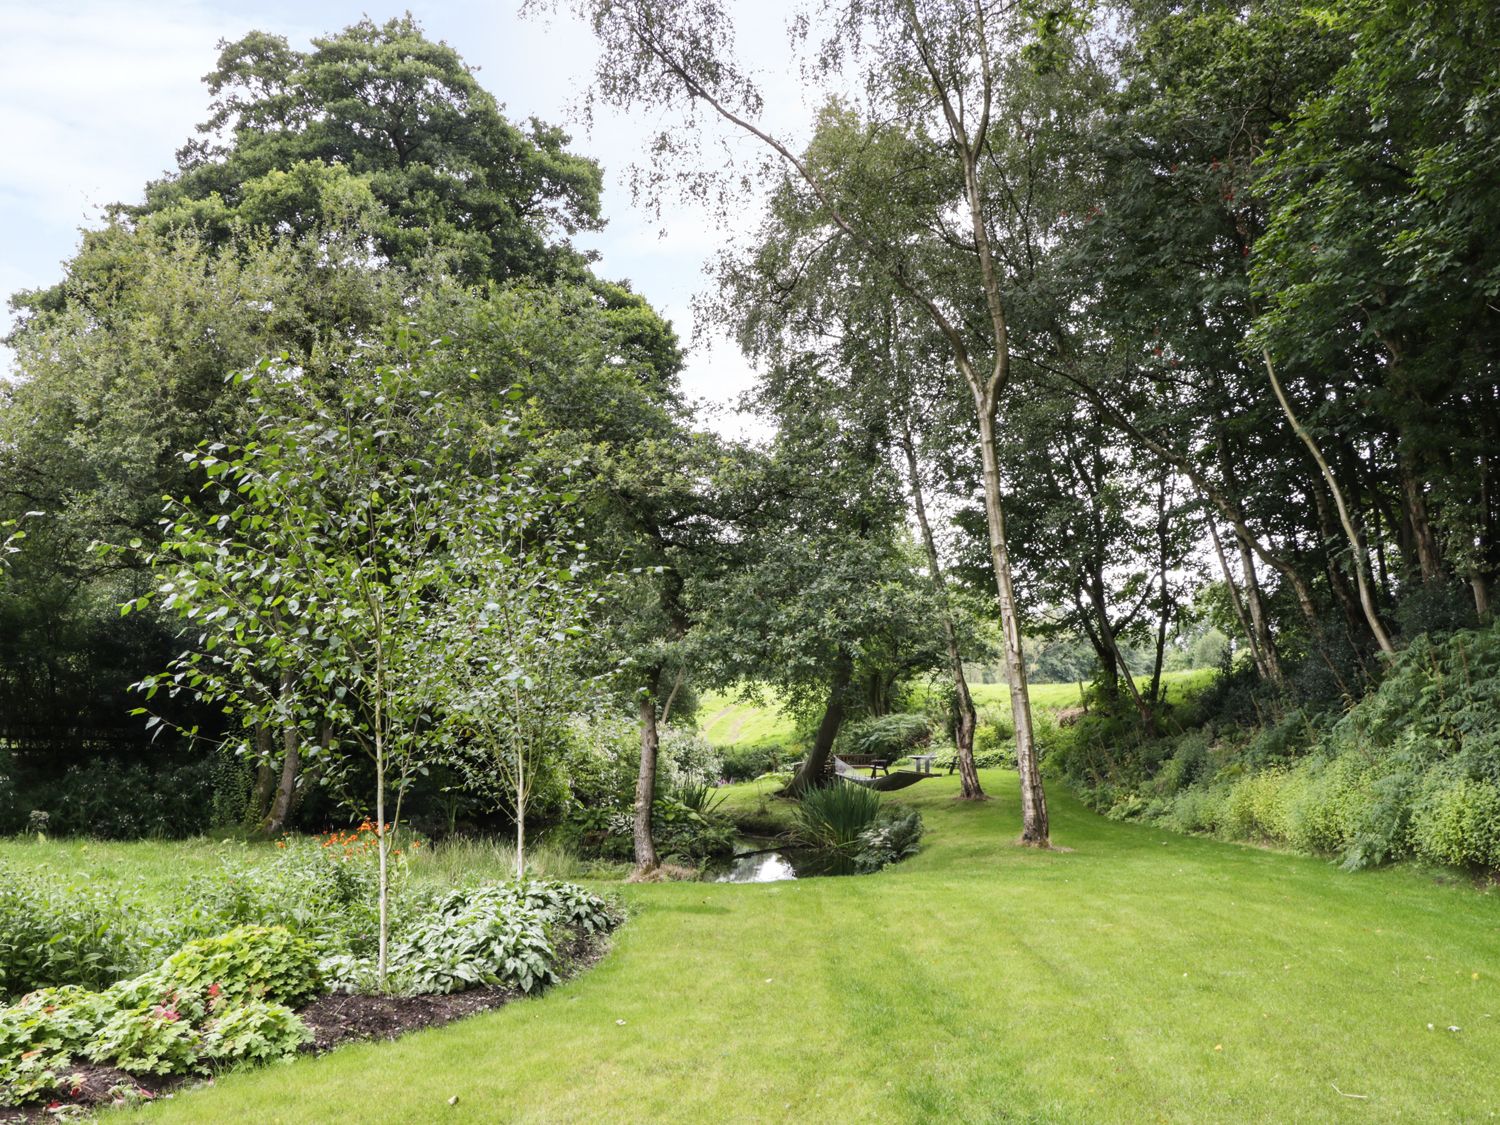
<point x="241" y="997"/>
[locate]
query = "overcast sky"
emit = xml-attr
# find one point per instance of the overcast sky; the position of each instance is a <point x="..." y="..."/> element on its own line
<point x="96" y="96"/>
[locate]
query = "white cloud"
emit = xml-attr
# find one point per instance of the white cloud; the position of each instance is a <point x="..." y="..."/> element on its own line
<point x="98" y="98"/>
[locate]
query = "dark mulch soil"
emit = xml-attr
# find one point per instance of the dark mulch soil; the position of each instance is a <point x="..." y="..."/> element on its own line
<point x="338" y="1019"/>
<point x="332" y="1020"/>
<point x="88" y="1084"/>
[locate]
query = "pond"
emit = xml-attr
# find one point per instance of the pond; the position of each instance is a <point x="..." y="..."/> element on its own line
<point x="768" y="860"/>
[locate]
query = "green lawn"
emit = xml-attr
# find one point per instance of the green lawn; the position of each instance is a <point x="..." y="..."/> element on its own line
<point x="1141" y="976"/>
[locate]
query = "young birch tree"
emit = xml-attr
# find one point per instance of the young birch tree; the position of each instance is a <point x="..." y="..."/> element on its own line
<point x="314" y="559"/>
<point x="510" y="639"/>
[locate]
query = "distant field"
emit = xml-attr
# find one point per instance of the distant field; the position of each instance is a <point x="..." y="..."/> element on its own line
<point x="995" y="698"/>
<point x="726" y="720"/>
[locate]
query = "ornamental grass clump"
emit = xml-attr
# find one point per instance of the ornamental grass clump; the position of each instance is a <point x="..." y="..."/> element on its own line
<point x="832" y="819"/>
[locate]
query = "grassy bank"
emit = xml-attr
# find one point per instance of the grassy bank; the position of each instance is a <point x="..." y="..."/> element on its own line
<point x="1141" y="976"/>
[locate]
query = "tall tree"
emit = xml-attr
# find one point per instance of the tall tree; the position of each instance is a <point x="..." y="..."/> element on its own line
<point x="971" y="118"/>
<point x="405" y="116"/>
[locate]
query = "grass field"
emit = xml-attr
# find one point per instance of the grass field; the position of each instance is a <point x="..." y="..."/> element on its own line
<point x="726" y="720"/>
<point x="1141" y="976"/>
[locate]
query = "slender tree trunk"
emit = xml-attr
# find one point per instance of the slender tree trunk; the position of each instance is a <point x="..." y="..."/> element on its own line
<point x="380" y="841"/>
<point x="1035" y="830"/>
<point x="1166" y="598"/>
<point x="1235" y="602"/>
<point x="1107" y="633"/>
<point x="1361" y="559"/>
<point x="646" y="859"/>
<point x="1256" y="602"/>
<point x="1481" y="598"/>
<point x="968" y="720"/>
<point x="520" y="816"/>
<point x="264" y="791"/>
<point x="1264" y="645"/>
<point x="812" y="773"/>
<point x="666" y="708"/>
<point x="286" y="790"/>
<point x="274" y="822"/>
<point x="1353" y="615"/>
<point x="1428" y="558"/>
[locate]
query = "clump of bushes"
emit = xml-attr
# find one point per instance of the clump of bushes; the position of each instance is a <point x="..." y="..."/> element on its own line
<point x="994" y="748"/>
<point x="62" y="934"/>
<point x="888" y="736"/>
<point x="600" y="822"/>
<point x="748" y="761"/>
<point x="499" y="933"/>
<point x="891" y="838"/>
<point x="1412" y="770"/>
<point x="832" y="818"/>
<point x="320" y="888"/>
<point x="231" y="998"/>
<point x="680" y="830"/>
<point x="211" y="1003"/>
<point x="114" y="800"/>
<point x="489" y="934"/>
<point x="853" y="824"/>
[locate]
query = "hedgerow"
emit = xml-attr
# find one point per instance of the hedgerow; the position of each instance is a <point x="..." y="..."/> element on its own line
<point x="1410" y="771"/>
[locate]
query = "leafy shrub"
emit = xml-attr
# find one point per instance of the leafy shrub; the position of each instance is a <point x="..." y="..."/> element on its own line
<point x="1256" y="809"/>
<point x="747" y="762"/>
<point x="609" y="830"/>
<point x="562" y="904"/>
<point x="1412" y="769"/>
<point x="1200" y="809"/>
<point x="253" y="1031"/>
<point x="702" y="797"/>
<point x="482" y="936"/>
<point x="893" y="837"/>
<point x="247" y="963"/>
<point x="1187" y="763"/>
<point x="492" y="933"/>
<point x="156" y="1039"/>
<point x="1458" y="821"/>
<point x="833" y="817"/>
<point x="40" y="1035"/>
<point x="1333" y="804"/>
<point x="687" y="758"/>
<point x="113" y="800"/>
<point x="52" y="933"/>
<point x="1437" y="607"/>
<point x="212" y="1001"/>
<point x="991" y="751"/>
<point x="888" y="736"/>
<point x="322" y="893"/>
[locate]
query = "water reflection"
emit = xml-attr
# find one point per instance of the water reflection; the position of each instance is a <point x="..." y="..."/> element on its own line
<point x="762" y="861"/>
<point x="769" y="867"/>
